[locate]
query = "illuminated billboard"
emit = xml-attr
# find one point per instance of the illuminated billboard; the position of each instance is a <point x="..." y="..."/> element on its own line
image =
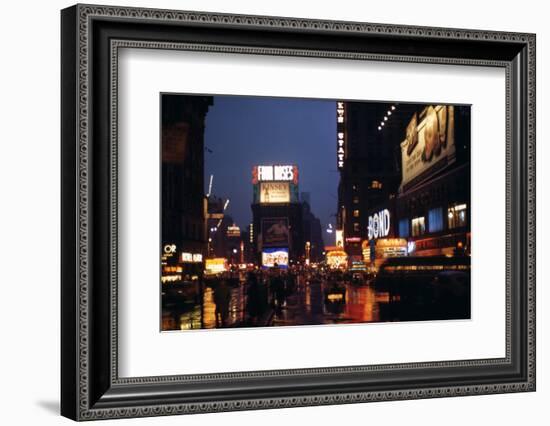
<point x="275" y="256"/>
<point x="274" y="192"/>
<point x="340" y="134"/>
<point x="275" y="232"/>
<point x="429" y="141"/>
<point x="187" y="257"/>
<point x="339" y="238"/>
<point x="233" y="231"/>
<point x="215" y="266"/>
<point x="337" y="259"/>
<point x="275" y="173"/>
<point x="379" y="224"/>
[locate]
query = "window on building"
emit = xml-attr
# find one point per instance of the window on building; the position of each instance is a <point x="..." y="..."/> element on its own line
<point x="356" y="213"/>
<point x="456" y="216"/>
<point x="435" y="219"/>
<point x="418" y="226"/>
<point x="404" y="226"/>
<point x="356" y="227"/>
<point x="376" y="184"/>
<point x="356" y="200"/>
<point x="355" y="187"/>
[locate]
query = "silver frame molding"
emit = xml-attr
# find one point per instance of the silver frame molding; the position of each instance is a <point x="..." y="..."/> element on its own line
<point x="91" y="39"/>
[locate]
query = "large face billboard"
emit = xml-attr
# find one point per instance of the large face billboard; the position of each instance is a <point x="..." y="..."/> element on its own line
<point x="275" y="232"/>
<point x="429" y="141"/>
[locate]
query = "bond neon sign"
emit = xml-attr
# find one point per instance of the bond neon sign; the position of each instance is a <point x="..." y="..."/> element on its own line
<point x="379" y="224"/>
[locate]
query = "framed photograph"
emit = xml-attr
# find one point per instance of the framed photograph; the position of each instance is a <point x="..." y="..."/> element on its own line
<point x="263" y="212"/>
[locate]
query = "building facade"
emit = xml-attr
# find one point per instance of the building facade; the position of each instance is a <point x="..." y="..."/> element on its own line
<point x="404" y="179"/>
<point x="182" y="187"/>
<point x="277" y="216"/>
<point x="433" y="206"/>
<point x="368" y="137"/>
<point x="312" y="232"/>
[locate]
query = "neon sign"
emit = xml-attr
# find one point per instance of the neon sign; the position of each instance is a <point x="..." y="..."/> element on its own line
<point x="340" y="148"/>
<point x="379" y="224"/>
<point x="277" y="173"/>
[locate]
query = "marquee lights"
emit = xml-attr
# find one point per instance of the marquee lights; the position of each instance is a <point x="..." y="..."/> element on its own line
<point x="383" y="121"/>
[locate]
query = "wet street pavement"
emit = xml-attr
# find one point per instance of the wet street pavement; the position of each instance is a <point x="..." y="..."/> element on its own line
<point x="309" y="305"/>
<point x="310" y="302"/>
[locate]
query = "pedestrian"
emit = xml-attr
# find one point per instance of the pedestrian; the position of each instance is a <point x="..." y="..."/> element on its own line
<point x="277" y="289"/>
<point x="222" y="296"/>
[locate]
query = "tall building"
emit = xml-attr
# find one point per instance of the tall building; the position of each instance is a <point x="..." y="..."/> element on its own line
<point x="433" y="205"/>
<point x="182" y="189"/>
<point x="313" y="233"/>
<point x="404" y="179"/>
<point x="368" y="162"/>
<point x="277" y="216"/>
<point x="216" y="224"/>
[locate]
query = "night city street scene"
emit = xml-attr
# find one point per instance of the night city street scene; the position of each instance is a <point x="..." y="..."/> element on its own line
<point x="287" y="212"/>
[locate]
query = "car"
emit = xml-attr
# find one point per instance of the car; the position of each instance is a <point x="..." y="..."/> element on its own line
<point x="334" y="292"/>
<point x="423" y="280"/>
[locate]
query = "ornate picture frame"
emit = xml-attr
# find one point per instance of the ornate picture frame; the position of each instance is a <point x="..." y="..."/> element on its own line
<point x="91" y="37"/>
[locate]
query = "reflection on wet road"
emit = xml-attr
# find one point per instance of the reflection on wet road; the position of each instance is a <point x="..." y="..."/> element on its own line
<point x="217" y="304"/>
<point x="309" y="306"/>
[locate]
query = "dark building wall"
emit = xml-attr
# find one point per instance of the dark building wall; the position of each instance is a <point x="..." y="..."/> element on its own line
<point x="313" y="233"/>
<point x="182" y="188"/>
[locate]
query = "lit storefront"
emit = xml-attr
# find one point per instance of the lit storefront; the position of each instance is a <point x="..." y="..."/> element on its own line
<point x="178" y="266"/>
<point x="192" y="264"/>
<point x="337" y="259"/>
<point x="391" y="247"/>
<point x="171" y="270"/>
<point x="383" y="241"/>
<point x="215" y="266"/>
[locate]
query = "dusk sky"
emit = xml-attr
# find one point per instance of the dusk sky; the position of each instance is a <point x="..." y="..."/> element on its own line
<point x="245" y="131"/>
